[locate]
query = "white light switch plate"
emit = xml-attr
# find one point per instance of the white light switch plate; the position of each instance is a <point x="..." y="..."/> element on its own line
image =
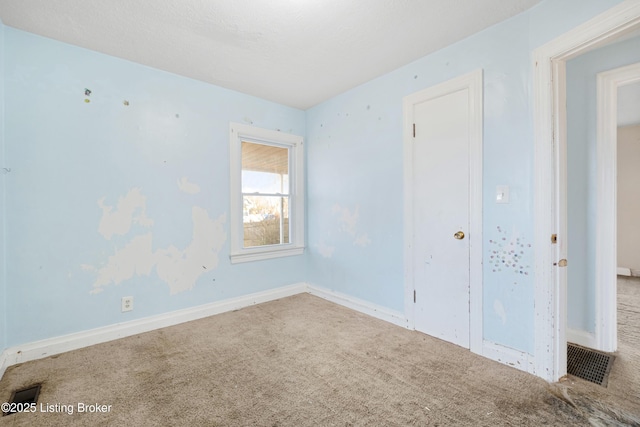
<point x="502" y="194"/>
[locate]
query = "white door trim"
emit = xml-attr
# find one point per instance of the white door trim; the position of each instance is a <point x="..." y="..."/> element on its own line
<point x="550" y="176"/>
<point x="473" y="82"/>
<point x="606" y="202"/>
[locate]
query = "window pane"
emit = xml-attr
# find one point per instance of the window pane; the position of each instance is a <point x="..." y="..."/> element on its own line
<point x="265" y="220"/>
<point x="265" y="169"/>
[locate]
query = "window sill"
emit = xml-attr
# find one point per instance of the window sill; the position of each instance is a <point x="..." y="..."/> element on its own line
<point x="249" y="255"/>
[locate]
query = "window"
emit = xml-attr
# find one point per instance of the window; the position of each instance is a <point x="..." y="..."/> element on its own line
<point x="267" y="194"/>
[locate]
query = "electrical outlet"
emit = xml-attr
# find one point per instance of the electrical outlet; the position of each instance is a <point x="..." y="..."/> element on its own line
<point x="127" y="304"/>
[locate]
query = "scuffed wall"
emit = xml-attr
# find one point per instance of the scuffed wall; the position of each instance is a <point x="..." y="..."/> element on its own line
<point x="628" y="198"/>
<point x="582" y="175"/>
<point x="355" y="171"/>
<point x="119" y="186"/>
<point x="355" y="149"/>
<point x="114" y="164"/>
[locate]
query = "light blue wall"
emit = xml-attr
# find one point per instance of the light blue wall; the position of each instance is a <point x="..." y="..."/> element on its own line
<point x="3" y="212"/>
<point x="551" y="18"/>
<point x="355" y="165"/>
<point x="581" y="175"/>
<point x="66" y="155"/>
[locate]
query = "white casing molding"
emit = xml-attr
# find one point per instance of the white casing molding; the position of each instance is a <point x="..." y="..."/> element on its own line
<point x="550" y="176"/>
<point x="239" y="133"/>
<point x="606" y="333"/>
<point x="473" y="82"/>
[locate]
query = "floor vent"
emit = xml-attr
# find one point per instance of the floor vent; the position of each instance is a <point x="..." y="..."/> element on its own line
<point x="589" y="364"/>
<point x="23" y="398"/>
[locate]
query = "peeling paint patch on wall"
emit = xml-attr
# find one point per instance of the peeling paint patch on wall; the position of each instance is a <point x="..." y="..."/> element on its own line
<point x="498" y="308"/>
<point x="144" y="128"/>
<point x="136" y="258"/>
<point x="188" y="187"/>
<point x="325" y="250"/>
<point x="347" y="219"/>
<point x="348" y="224"/>
<point x="131" y="209"/>
<point x="180" y="269"/>
<point x="362" y="240"/>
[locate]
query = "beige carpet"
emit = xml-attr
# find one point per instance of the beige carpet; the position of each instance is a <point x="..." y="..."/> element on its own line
<point x="623" y="390"/>
<point x="299" y="361"/>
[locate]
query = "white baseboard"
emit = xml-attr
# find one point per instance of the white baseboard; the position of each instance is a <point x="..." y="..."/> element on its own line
<point x="366" y="307"/>
<point x="51" y="346"/>
<point x="499" y="353"/>
<point x="508" y="356"/>
<point x="56" y="345"/>
<point x="583" y="338"/>
<point x="623" y="271"/>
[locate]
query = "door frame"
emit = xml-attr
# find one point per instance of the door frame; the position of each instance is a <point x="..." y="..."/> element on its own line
<point x="550" y="180"/>
<point x="606" y="332"/>
<point x="474" y="84"/>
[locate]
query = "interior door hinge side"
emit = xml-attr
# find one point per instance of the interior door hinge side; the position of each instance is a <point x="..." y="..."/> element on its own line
<point x="414" y="130"/>
<point x="414" y="295"/>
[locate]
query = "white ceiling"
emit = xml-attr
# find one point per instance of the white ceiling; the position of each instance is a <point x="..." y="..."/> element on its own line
<point x="294" y="52"/>
<point x="629" y="104"/>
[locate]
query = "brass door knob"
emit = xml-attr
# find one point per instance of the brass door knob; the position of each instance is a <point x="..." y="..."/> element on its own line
<point x="459" y="235"/>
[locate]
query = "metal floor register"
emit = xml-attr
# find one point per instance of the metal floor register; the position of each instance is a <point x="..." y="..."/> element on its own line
<point x="589" y="364"/>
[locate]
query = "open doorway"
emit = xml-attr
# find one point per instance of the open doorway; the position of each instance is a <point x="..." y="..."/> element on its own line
<point x="592" y="120"/>
<point x="627" y="374"/>
<point x="628" y="230"/>
<point x="550" y="172"/>
<point x="618" y="116"/>
<point x="628" y="178"/>
<point x="603" y="179"/>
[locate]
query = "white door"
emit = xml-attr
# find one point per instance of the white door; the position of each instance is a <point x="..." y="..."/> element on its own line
<point x="440" y="156"/>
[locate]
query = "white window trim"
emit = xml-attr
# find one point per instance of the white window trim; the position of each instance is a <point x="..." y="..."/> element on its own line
<point x="241" y="132"/>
